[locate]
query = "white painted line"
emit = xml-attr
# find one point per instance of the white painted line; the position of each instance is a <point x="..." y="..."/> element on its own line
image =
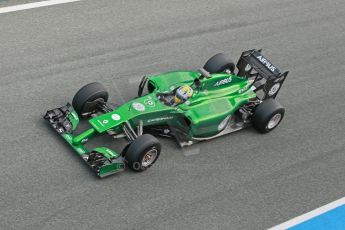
<point x="33" y="5"/>
<point x="309" y="215"/>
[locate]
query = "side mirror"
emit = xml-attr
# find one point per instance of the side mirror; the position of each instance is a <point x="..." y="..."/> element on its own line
<point x="197" y="83"/>
<point x="204" y="73"/>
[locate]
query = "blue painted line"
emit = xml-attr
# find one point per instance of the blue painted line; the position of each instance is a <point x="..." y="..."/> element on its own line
<point x="331" y="220"/>
<point x="328" y="217"/>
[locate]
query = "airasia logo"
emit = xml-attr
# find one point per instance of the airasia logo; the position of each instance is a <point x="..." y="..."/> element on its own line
<point x="266" y="63"/>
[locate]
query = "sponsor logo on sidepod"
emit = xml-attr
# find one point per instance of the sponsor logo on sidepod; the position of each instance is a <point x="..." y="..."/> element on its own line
<point x="223" y="81"/>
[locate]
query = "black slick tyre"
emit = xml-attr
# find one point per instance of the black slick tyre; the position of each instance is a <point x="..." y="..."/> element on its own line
<point x="88" y="97"/>
<point x="219" y="63"/>
<point x="142" y="153"/>
<point x="268" y="115"/>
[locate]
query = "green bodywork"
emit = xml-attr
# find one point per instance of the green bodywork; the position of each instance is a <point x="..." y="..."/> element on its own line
<point x="216" y="98"/>
<point x="77" y="142"/>
<point x="213" y="100"/>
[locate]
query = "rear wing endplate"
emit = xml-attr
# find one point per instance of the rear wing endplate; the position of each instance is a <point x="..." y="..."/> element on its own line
<point x="252" y="64"/>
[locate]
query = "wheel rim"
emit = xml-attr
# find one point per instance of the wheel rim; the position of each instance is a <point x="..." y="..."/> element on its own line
<point x="149" y="157"/>
<point x="274" y="121"/>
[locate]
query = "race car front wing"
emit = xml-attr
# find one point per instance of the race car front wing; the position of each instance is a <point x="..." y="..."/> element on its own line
<point x="102" y="160"/>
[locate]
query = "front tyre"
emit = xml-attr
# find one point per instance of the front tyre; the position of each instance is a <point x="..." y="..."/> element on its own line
<point x="88" y="98"/>
<point x="142" y="153"/>
<point x="268" y="115"/>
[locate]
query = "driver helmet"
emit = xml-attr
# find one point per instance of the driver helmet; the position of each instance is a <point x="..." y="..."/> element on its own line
<point x="183" y="94"/>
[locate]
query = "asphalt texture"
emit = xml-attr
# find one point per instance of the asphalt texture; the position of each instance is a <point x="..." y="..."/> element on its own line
<point x="244" y="180"/>
<point x="5" y="3"/>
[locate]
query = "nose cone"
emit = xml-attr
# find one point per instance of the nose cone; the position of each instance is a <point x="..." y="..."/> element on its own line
<point x="145" y="107"/>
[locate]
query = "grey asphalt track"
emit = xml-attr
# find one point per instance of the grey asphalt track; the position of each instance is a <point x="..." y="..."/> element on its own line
<point x="241" y="181"/>
<point x="5" y="3"/>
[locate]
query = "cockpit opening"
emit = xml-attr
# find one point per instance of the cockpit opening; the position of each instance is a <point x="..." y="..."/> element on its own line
<point x="178" y="96"/>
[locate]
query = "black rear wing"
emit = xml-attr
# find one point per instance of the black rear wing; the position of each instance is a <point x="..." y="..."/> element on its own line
<point x="267" y="77"/>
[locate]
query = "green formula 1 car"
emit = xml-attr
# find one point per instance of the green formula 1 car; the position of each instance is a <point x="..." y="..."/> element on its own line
<point x="189" y="106"/>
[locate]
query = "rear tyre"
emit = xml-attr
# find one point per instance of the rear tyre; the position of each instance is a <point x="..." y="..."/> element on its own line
<point x="268" y="115"/>
<point x="219" y="63"/>
<point x="142" y="153"/>
<point x="88" y="97"/>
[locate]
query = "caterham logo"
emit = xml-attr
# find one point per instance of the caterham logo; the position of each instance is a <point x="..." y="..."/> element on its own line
<point x="160" y="119"/>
